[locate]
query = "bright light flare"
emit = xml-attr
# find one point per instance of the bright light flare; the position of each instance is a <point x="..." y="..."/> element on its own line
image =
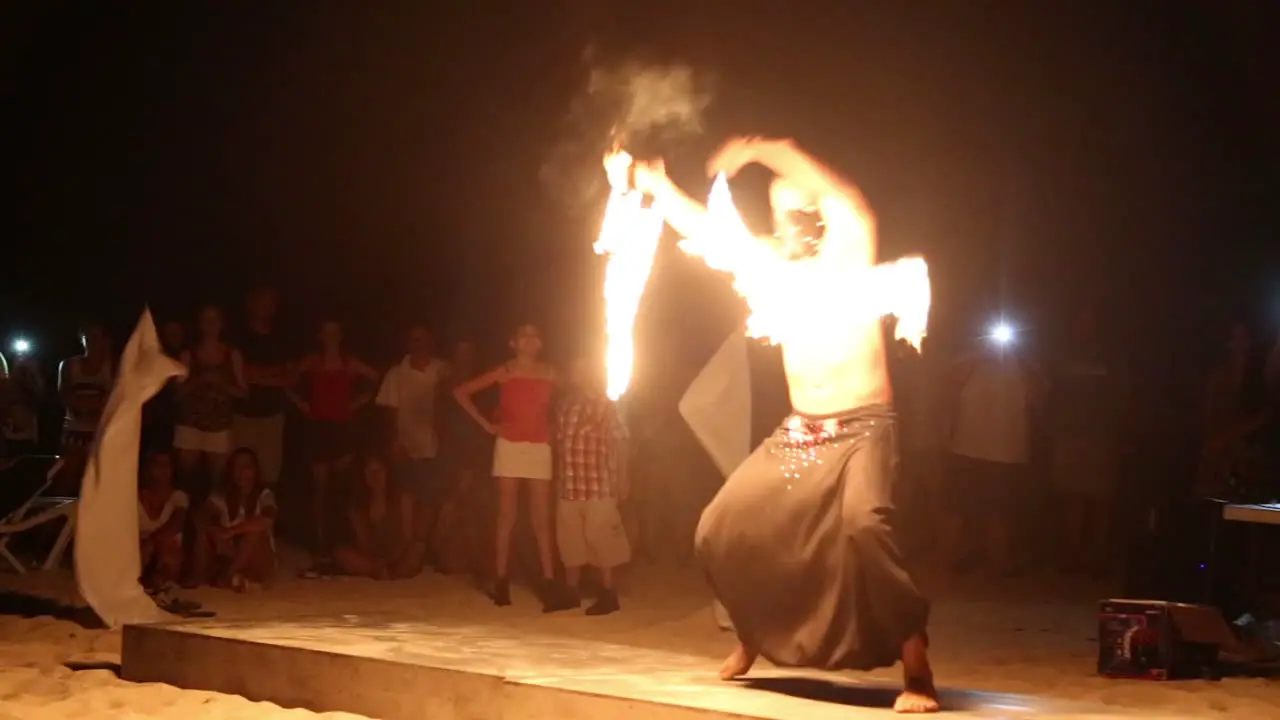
<point x="801" y="298"/>
<point x="1002" y="333"/>
<point x="21" y="346"/>
<point x="629" y="238"/>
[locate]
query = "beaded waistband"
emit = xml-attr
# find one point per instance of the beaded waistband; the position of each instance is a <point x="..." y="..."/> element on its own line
<point x="805" y="431"/>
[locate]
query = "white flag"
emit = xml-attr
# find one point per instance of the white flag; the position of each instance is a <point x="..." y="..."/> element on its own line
<point x="108" y="560"/>
<point x="717" y="405"/>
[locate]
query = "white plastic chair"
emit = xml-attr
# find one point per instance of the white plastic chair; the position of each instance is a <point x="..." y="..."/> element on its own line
<point x="34" y="512"/>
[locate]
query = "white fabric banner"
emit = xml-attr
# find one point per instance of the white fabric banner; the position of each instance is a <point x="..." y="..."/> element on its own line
<point x="108" y="563"/>
<point x="717" y="405"/>
<point x="717" y="408"/>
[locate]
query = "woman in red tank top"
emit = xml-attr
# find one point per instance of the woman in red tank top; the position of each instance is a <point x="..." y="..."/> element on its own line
<point x="334" y="386"/>
<point x="521" y="455"/>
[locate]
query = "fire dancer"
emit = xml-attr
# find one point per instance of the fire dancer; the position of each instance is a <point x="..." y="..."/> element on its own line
<point x="800" y="544"/>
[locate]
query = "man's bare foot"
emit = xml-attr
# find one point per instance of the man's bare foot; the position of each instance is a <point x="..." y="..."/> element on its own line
<point x="738" y="664"/>
<point x="919" y="695"/>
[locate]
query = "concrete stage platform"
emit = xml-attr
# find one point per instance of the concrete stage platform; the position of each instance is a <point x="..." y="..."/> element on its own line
<point x="385" y="667"/>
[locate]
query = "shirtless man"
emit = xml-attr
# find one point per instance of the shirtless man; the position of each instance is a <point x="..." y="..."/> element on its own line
<point x="799" y="543"/>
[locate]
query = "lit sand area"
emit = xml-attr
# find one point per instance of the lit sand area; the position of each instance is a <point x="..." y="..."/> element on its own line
<point x="433" y="648"/>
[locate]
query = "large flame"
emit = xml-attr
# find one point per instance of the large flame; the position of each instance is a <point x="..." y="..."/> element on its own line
<point x="629" y="237"/>
<point x="798" y="298"/>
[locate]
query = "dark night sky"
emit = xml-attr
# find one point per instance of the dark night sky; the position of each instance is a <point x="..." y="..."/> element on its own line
<point x="386" y="161"/>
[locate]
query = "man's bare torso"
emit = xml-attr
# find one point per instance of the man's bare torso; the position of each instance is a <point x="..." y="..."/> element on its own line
<point x="838" y="364"/>
<point x="839" y="368"/>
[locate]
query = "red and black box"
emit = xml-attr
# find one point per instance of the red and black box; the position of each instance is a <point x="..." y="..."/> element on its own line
<point x="1159" y="640"/>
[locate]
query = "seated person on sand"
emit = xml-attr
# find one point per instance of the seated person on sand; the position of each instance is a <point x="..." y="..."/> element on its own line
<point x="383" y="530"/>
<point x="234" y="544"/>
<point x="162" y="514"/>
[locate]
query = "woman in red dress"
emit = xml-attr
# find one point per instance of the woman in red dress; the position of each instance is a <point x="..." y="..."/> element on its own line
<point x="521" y="455"/>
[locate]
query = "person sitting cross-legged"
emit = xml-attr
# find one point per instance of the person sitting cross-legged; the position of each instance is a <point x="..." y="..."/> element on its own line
<point x="162" y="514"/>
<point x="234" y="543"/>
<point x="384" y="542"/>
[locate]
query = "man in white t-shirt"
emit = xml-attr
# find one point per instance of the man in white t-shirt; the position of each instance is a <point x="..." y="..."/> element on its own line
<point x="409" y="392"/>
<point x="990" y="445"/>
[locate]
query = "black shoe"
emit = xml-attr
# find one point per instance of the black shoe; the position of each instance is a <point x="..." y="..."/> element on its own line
<point x="501" y="593"/>
<point x="166" y="599"/>
<point x="557" y="597"/>
<point x="606" y="603"/>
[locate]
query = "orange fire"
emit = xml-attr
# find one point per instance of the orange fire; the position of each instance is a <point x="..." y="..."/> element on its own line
<point x="786" y="298"/>
<point x="629" y="237"/>
<point x="790" y="298"/>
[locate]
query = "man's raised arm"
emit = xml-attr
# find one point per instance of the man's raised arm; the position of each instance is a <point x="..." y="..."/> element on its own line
<point x="682" y="212"/>
<point x="834" y="193"/>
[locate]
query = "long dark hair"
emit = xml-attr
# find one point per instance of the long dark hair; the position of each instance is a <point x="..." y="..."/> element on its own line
<point x="395" y="493"/>
<point x="145" y="480"/>
<point x="332" y="319"/>
<point x="222" y="322"/>
<point x="231" y="491"/>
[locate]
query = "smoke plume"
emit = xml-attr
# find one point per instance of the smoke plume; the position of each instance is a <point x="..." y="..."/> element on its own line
<point x="647" y="109"/>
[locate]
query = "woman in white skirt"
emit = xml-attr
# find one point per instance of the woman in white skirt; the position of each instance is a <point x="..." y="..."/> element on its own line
<point x="215" y="377"/>
<point x="521" y="455"/>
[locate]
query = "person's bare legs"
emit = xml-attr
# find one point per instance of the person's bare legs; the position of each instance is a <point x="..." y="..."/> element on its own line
<point x="254" y="559"/>
<point x="430" y="505"/>
<point x="573" y="576"/>
<point x="470" y="526"/>
<point x="412" y="561"/>
<point x="540" y="520"/>
<point x="200" y="571"/>
<point x="351" y="561"/>
<point x="508" y="505"/>
<point x="320" y="472"/>
<point x="217" y="461"/>
<point x="739" y="662"/>
<point x="445" y="546"/>
<point x="146" y="552"/>
<point x="919" y="695"/>
<point x="167" y="557"/>
<point x="555" y="597"/>
<point x="189" y="468"/>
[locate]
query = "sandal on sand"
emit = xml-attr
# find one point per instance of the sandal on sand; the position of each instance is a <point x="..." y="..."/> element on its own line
<point x="321" y="570"/>
<point x="166" y="600"/>
<point x="184" y="609"/>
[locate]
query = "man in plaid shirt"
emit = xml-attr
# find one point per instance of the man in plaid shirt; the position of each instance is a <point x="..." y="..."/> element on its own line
<point x="592" y="443"/>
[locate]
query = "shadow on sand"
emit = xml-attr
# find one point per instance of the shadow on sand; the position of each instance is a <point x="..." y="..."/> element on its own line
<point x="882" y="696"/>
<point x="30" y="606"/>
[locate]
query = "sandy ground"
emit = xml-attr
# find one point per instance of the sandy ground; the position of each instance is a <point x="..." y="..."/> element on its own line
<point x="1032" y="637"/>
